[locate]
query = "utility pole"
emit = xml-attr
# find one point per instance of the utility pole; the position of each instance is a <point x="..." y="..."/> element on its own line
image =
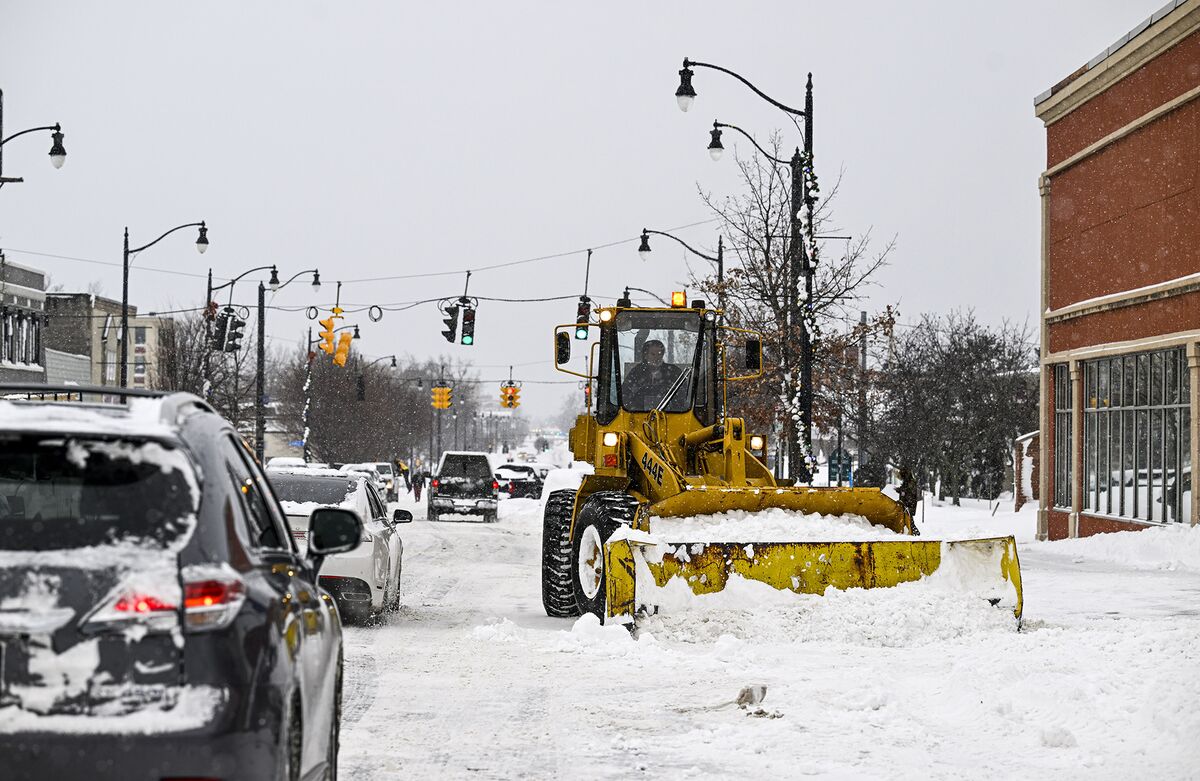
<point x="862" y="390"/>
<point x="801" y="471"/>
<point x="308" y="361"/>
<point x="260" y="392"/>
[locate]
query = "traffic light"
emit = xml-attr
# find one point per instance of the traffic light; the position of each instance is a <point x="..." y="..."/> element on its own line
<point x="451" y="321"/>
<point x="510" y="396"/>
<point x="582" y="314"/>
<point x="343" y="350"/>
<point x="327" y="334"/>
<point x="220" y="328"/>
<point x="362" y="388"/>
<point x="441" y="397"/>
<point x="468" y="326"/>
<point x="234" y="334"/>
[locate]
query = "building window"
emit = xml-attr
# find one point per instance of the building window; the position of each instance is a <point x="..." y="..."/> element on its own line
<point x="1062" y="436"/>
<point x="1137" y="448"/>
<point x="139" y="366"/>
<point x="139" y="335"/>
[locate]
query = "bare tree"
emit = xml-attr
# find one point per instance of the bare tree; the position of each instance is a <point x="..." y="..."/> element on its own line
<point x="757" y="222"/>
<point x="182" y="356"/>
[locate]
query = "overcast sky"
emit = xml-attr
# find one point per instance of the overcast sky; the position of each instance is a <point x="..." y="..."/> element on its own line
<point x="377" y="139"/>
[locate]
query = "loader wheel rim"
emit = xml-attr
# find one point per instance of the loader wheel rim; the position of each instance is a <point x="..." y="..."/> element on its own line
<point x="591" y="562"/>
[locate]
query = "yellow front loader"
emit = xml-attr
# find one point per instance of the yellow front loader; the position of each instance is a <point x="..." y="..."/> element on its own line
<point x="663" y="446"/>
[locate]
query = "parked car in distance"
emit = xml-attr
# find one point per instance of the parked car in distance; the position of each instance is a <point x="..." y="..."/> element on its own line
<point x="370" y="471"/>
<point x="463" y="484"/>
<point x="519" y="481"/>
<point x="390" y="480"/>
<point x="365" y="582"/>
<point x="151" y="594"/>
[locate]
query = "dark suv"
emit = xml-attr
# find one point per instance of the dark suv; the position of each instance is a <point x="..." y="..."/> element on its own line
<point x="463" y="485"/>
<point x="156" y="620"/>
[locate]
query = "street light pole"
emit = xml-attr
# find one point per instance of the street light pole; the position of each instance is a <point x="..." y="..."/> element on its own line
<point x="201" y="246"/>
<point x="799" y="444"/>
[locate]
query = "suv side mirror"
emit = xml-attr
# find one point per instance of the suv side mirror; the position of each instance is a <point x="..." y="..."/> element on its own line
<point x="753" y="355"/>
<point x="401" y="516"/>
<point x="332" y="530"/>
<point x="562" y="347"/>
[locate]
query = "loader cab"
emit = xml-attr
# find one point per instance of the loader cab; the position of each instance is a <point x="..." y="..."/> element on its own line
<point x="657" y="359"/>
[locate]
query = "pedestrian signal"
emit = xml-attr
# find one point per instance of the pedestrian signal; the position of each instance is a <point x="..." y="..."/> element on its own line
<point x="343" y="350"/>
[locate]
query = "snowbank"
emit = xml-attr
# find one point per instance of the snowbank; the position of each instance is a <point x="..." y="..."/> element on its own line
<point x="1165" y="548"/>
<point x="566" y="479"/>
<point x="772" y="525"/>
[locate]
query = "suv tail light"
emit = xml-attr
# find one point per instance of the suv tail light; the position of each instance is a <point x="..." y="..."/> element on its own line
<point x="212" y="596"/>
<point x="495" y="485"/>
<point x="433" y="484"/>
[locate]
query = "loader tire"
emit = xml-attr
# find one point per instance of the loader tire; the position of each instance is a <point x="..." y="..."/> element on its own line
<point x="557" y="597"/>
<point x="599" y="517"/>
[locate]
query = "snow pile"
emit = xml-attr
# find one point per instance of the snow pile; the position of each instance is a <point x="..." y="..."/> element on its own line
<point x="497" y="630"/>
<point x="906" y="616"/>
<point x="770" y="525"/>
<point x="566" y="479"/>
<point x="521" y="512"/>
<point x="1173" y="547"/>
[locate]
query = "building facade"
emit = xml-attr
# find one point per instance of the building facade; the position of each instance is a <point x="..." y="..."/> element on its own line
<point x="22" y="323"/>
<point x="90" y="325"/>
<point x="1120" y="330"/>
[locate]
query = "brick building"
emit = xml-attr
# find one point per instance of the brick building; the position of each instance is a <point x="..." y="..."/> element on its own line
<point x="1120" y="379"/>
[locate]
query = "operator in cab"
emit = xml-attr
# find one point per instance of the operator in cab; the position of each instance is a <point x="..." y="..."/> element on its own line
<point x="650" y="379"/>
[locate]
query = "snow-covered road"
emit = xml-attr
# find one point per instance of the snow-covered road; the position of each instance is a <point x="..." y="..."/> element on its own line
<point x="472" y="680"/>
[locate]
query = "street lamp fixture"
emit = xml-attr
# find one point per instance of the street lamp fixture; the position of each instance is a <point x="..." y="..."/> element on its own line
<point x="273" y="282"/>
<point x="316" y="283"/>
<point x="685" y="94"/>
<point x="58" y="152"/>
<point x="644" y="248"/>
<point x="355" y="332"/>
<point x="202" y="239"/>
<point x="714" y="146"/>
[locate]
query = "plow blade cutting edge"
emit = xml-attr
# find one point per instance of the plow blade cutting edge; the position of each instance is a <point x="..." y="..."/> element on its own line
<point x="636" y="565"/>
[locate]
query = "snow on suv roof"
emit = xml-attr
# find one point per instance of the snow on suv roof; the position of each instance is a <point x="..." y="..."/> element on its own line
<point x="141" y="415"/>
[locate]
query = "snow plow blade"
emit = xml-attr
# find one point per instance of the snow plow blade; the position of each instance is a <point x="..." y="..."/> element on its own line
<point x="636" y="565"/>
<point x="870" y="503"/>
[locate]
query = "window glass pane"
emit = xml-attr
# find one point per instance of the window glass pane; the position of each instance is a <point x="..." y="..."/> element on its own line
<point x="1156" y="463"/>
<point x="1156" y="378"/>
<point x="1141" y="475"/>
<point x="1185" y="459"/>
<point x="1143" y="380"/>
<point x="1089" y="461"/>
<point x="1170" y="465"/>
<point x="1103" y="477"/>
<point x="1114" y="385"/>
<point x="1114" y="462"/>
<point x="1172" y="376"/>
<point x="1127" y="379"/>
<point x="1128" y="479"/>
<point x="1102" y="384"/>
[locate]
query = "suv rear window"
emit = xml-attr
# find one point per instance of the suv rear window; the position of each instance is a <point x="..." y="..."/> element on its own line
<point x="301" y="489"/>
<point x="59" y="493"/>
<point x="461" y="465"/>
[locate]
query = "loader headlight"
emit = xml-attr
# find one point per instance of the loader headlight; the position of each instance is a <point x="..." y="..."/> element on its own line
<point x="756" y="442"/>
<point x="610" y="439"/>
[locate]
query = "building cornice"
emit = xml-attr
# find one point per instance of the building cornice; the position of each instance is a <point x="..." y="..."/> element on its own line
<point x="1142" y="44"/>
<point x="1125" y="298"/>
